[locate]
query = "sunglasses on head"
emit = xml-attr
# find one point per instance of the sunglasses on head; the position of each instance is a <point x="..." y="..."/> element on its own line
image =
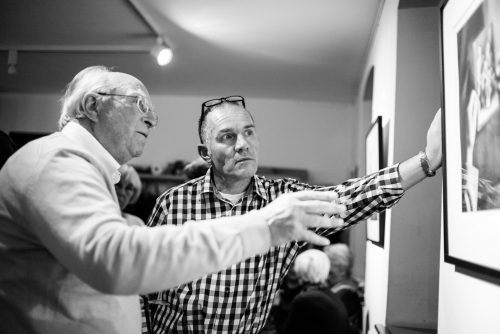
<point x="207" y="105"/>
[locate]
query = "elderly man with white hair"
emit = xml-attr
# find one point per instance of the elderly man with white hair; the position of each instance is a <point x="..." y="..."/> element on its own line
<point x="69" y="261"/>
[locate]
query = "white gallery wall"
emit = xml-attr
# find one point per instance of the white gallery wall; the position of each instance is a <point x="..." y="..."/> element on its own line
<point x="412" y="300"/>
<point x="409" y="287"/>
<point x="316" y="136"/>
<point x="469" y="302"/>
<point x="402" y="277"/>
<point x="383" y="58"/>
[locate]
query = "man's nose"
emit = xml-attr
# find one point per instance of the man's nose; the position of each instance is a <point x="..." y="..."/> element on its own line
<point x="241" y="143"/>
<point x="151" y="119"/>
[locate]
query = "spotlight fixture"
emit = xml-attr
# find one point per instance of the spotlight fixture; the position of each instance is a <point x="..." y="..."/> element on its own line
<point x="162" y="52"/>
<point x="12" y="62"/>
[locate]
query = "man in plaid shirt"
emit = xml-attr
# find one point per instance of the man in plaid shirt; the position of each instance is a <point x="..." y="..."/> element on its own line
<point x="239" y="298"/>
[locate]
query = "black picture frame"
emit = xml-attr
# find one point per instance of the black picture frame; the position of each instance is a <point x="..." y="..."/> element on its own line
<point x="470" y="51"/>
<point x="374" y="152"/>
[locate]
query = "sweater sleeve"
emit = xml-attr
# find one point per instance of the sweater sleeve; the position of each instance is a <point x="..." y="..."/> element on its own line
<point x="71" y="210"/>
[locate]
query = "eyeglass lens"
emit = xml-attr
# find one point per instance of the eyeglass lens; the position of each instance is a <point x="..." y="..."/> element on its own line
<point x="142" y="105"/>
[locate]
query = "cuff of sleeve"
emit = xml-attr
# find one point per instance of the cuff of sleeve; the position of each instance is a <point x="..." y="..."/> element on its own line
<point x="392" y="186"/>
<point x="257" y="235"/>
<point x="399" y="179"/>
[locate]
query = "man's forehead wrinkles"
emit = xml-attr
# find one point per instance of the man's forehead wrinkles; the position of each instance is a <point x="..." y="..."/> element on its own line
<point x="232" y="118"/>
<point x="233" y="128"/>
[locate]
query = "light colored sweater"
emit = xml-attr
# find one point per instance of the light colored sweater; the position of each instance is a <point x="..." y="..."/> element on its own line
<point x="70" y="263"/>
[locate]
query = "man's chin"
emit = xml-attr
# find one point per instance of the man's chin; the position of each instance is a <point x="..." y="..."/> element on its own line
<point x="138" y="152"/>
<point x="248" y="170"/>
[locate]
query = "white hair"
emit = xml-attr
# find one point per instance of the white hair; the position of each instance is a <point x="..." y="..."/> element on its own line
<point x="341" y="260"/>
<point x="87" y="80"/>
<point x="312" y="266"/>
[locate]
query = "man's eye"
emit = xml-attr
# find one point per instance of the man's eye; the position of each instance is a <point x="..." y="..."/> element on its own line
<point x="143" y="106"/>
<point x="249" y="132"/>
<point x="227" y="136"/>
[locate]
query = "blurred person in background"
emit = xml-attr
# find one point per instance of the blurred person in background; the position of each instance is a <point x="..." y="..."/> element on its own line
<point x="196" y="168"/>
<point x="315" y="309"/>
<point x="128" y="191"/>
<point x="343" y="284"/>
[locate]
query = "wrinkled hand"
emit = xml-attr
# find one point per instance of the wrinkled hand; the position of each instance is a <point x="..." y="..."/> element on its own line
<point x="291" y="214"/>
<point x="434" y="149"/>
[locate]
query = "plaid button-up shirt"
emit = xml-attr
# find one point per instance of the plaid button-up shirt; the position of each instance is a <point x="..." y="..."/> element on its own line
<point x="239" y="298"/>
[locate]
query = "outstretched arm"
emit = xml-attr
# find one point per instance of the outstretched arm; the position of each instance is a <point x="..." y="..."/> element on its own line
<point x="411" y="170"/>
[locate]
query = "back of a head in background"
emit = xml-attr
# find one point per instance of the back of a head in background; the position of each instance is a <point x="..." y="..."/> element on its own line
<point x="341" y="260"/>
<point x="196" y="168"/>
<point x="312" y="266"/>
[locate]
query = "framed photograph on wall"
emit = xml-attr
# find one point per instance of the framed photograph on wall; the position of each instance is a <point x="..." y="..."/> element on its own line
<point x="471" y="140"/>
<point x="375" y="225"/>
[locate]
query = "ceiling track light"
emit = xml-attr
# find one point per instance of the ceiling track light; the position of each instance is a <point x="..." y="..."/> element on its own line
<point x="161" y="51"/>
<point x="14" y="50"/>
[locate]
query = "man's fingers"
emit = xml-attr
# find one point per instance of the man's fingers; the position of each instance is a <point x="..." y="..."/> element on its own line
<point x="319" y="207"/>
<point x="337" y="222"/>
<point x="323" y="221"/>
<point x="314" y="239"/>
<point x="292" y="214"/>
<point x="328" y="196"/>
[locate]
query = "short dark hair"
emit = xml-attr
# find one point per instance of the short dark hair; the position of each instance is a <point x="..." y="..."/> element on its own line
<point x="202" y="120"/>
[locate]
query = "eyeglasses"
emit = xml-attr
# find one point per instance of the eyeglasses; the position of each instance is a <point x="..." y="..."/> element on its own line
<point x="207" y="105"/>
<point x="139" y="100"/>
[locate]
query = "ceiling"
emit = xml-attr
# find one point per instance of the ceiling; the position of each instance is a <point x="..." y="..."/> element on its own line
<point x="301" y="50"/>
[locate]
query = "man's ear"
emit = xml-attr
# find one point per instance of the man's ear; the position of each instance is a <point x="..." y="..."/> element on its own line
<point x="203" y="152"/>
<point x="89" y="107"/>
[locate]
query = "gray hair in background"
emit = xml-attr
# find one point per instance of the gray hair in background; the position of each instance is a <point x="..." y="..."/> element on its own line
<point x="312" y="266"/>
<point x="86" y="81"/>
<point x="341" y="260"/>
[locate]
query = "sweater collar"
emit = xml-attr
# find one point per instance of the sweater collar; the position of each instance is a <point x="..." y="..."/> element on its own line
<point x="88" y="142"/>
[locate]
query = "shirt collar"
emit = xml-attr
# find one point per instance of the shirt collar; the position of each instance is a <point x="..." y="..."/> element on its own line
<point x="89" y="143"/>
<point x="256" y="186"/>
<point x="259" y="187"/>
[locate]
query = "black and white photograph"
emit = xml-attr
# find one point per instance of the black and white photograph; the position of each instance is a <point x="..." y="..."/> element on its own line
<point x="478" y="44"/>
<point x="471" y="77"/>
<point x="249" y="167"/>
